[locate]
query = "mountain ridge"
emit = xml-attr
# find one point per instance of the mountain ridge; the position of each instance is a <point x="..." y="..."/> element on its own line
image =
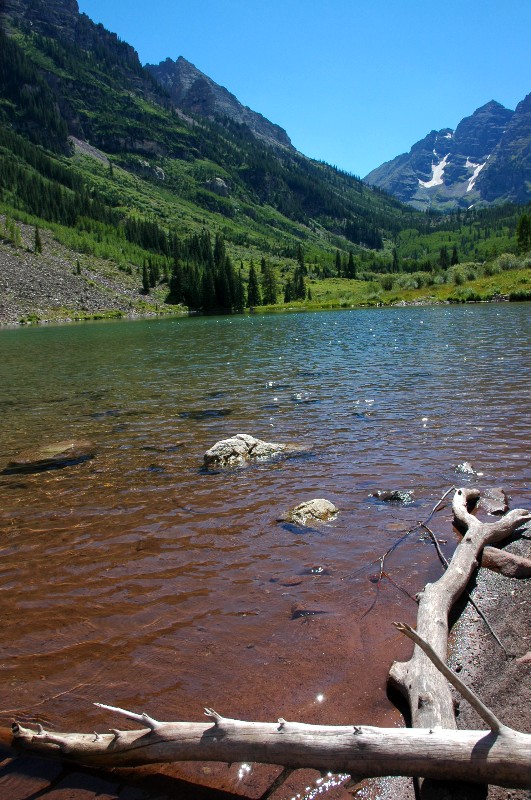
<point x="451" y="169"/>
<point x="196" y="93"/>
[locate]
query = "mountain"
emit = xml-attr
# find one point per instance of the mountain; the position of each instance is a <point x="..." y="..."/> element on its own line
<point x="509" y="169"/>
<point x="485" y="160"/>
<point x="196" y="93"/>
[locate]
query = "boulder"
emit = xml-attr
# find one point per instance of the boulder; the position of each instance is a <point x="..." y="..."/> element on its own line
<point x="312" y="511"/>
<point x="239" y="450"/>
<point x="51" y="456"/>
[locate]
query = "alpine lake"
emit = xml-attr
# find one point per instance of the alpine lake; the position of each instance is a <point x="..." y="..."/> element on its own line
<point x="137" y="579"/>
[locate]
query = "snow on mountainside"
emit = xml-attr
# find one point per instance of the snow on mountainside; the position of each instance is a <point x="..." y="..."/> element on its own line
<point x="485" y="160"/>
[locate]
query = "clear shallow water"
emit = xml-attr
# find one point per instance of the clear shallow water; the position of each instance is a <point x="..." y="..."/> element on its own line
<point x="136" y="580"/>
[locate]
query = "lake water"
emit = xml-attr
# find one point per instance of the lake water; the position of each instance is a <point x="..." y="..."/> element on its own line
<point x="137" y="580"/>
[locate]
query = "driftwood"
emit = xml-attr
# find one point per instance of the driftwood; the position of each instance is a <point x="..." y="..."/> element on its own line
<point x="432" y="748"/>
<point x="427" y="691"/>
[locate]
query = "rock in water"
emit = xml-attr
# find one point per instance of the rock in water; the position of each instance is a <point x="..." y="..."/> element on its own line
<point x="238" y="450"/>
<point x="317" y="510"/>
<point x="393" y="496"/>
<point x="494" y="501"/>
<point x="51" y="456"/>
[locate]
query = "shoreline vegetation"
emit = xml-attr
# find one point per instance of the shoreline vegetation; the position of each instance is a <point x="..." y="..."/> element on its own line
<point x="44" y="281"/>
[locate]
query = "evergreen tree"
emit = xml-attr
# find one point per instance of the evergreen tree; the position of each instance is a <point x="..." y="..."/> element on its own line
<point x="38" y="241"/>
<point x="208" y="291"/>
<point x="300" y="259"/>
<point x="443" y="257"/>
<point x="299" y="287"/>
<point x="253" y="289"/>
<point x="523" y="233"/>
<point x="395" y="266"/>
<point x="455" y="258"/>
<point x="176" y="283"/>
<point x="351" y="266"/>
<point x="288" y="291"/>
<point x="239" y="297"/>
<point x="269" y="284"/>
<point x="145" y="279"/>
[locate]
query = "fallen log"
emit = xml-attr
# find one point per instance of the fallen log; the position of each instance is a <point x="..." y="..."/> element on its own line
<point x="501" y="757"/>
<point x="431" y="749"/>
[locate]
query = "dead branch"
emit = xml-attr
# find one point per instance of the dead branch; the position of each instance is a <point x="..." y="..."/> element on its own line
<point x="425" y="688"/>
<point x="501" y="758"/>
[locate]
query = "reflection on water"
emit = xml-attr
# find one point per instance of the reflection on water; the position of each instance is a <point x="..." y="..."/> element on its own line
<point x="137" y="580"/>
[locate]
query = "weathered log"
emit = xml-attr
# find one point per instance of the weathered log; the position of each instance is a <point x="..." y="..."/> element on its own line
<point x="502" y="758"/>
<point x="426" y="689"/>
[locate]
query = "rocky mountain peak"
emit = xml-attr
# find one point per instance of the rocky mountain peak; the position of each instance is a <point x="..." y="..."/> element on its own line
<point x="48" y="17"/>
<point x="449" y="169"/>
<point x="194" y="92"/>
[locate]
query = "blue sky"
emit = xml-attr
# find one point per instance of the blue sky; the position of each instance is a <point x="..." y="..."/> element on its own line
<point x="353" y="83"/>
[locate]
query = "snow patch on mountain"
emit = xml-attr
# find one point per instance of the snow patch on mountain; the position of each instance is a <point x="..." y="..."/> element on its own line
<point x="437" y="177"/>
<point x="477" y="169"/>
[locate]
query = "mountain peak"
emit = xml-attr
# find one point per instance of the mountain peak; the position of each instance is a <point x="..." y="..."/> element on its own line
<point x="194" y="92"/>
<point x="449" y="169"/>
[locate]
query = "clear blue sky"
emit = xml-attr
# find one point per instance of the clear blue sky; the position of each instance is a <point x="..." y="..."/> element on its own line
<point x="354" y="82"/>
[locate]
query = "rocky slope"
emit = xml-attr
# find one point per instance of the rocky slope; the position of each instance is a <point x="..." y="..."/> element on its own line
<point x="485" y="160"/>
<point x="196" y="93"/>
<point x="61" y="284"/>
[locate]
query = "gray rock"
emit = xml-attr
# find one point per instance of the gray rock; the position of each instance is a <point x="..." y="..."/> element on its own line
<point x="465" y="468"/>
<point x="51" y="456"/>
<point x="494" y="501"/>
<point x="393" y="496"/>
<point x="312" y="511"/>
<point x="239" y="450"/>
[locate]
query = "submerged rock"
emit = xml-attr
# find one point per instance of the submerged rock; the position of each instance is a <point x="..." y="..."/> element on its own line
<point x="466" y="468"/>
<point x="298" y="610"/>
<point x="317" y="510"/>
<point x="206" y="413"/>
<point x="51" y="456"/>
<point x="393" y="496"/>
<point x="494" y="501"/>
<point x="239" y="450"/>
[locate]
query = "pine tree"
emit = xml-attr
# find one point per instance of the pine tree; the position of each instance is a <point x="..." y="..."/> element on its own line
<point x="299" y="287"/>
<point x="253" y="289"/>
<point x="523" y="233"/>
<point x="443" y="257"/>
<point x="351" y="266"/>
<point x="208" y="291"/>
<point x="239" y="299"/>
<point x="269" y="284"/>
<point x="145" y="279"/>
<point x="288" y="291"/>
<point x="455" y="258"/>
<point x="395" y="266"/>
<point x="38" y="241"/>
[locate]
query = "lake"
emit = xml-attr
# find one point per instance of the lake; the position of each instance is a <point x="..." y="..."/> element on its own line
<point x="137" y="580"/>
